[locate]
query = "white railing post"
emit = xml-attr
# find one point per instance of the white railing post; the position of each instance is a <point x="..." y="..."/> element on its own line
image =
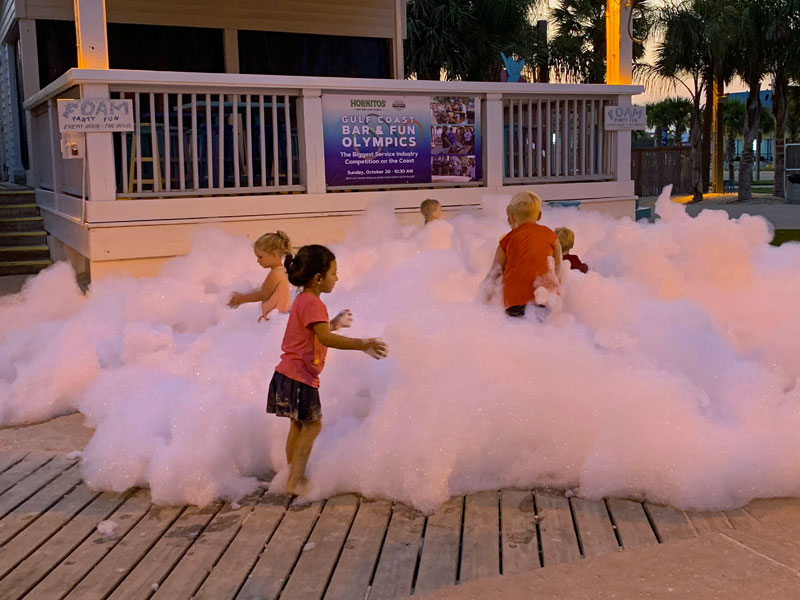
<point x="622" y="149"/>
<point x="309" y="135"/>
<point x="494" y="152"/>
<point x="101" y="181"/>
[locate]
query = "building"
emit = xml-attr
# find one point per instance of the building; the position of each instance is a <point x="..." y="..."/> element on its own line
<point x="235" y="121"/>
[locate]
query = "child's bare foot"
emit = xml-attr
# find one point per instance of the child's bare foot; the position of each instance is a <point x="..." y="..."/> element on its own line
<point x="299" y="488"/>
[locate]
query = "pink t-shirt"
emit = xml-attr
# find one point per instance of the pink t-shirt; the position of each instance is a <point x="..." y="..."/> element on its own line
<point x="303" y="356"/>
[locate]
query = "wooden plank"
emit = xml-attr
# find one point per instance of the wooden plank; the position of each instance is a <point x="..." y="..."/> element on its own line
<point x="671" y="524"/>
<point x="46" y="557"/>
<point x="518" y="521"/>
<point x="22" y="469"/>
<point x="197" y="563"/>
<point x="278" y="559"/>
<point x="633" y="527"/>
<point x="126" y="554"/>
<point x="26" y="488"/>
<point x="438" y="564"/>
<point x="559" y="543"/>
<point x="709" y="521"/>
<point x="35" y="534"/>
<point x="10" y="458"/>
<point x="480" y="548"/>
<point x="145" y="578"/>
<point x="741" y="519"/>
<point x="594" y="527"/>
<point x="257" y="528"/>
<point x="92" y="550"/>
<point x="764" y="509"/>
<point x="361" y="549"/>
<point x="394" y="574"/>
<point x="318" y="559"/>
<point x="30" y="510"/>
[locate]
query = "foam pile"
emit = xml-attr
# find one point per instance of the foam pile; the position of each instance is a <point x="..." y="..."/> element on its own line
<point x="670" y="372"/>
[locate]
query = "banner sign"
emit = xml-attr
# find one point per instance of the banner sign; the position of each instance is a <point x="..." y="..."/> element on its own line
<point x="625" y="118"/>
<point x="95" y="114"/>
<point x="384" y="140"/>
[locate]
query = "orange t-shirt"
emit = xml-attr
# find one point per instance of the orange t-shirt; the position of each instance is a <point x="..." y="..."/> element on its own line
<point x="303" y="356"/>
<point x="527" y="248"/>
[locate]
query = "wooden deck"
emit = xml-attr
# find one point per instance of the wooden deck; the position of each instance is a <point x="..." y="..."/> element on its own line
<point x="345" y="547"/>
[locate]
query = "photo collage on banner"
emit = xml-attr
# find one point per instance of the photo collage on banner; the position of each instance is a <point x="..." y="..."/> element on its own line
<point x="385" y="140"/>
<point x="455" y="150"/>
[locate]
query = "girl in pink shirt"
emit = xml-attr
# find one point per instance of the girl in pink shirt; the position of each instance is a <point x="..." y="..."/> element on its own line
<point x="294" y="389"/>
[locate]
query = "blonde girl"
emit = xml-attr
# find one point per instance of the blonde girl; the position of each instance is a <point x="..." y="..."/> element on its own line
<point x="270" y="250"/>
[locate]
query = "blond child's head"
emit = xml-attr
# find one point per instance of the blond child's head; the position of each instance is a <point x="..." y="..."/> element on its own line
<point x="271" y="248"/>
<point x="566" y="238"/>
<point x="431" y="209"/>
<point x="524" y="207"/>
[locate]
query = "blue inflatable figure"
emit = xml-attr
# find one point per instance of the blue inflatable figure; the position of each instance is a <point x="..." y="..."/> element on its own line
<point x="513" y="67"/>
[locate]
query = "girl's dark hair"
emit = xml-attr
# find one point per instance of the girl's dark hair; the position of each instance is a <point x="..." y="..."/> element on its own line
<point x="309" y="261"/>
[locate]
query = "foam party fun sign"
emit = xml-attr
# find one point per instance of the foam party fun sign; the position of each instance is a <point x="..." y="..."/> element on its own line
<point x="379" y="140"/>
<point x="625" y="118"/>
<point x="95" y="114"/>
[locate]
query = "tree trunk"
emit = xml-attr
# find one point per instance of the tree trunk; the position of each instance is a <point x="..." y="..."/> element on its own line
<point x="731" y="153"/>
<point x="779" y="103"/>
<point x="696" y="138"/>
<point x="758" y="155"/>
<point x="657" y="141"/>
<point x="708" y="117"/>
<point x="752" y="120"/>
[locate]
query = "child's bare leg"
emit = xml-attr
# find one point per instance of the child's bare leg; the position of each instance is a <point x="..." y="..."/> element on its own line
<point x="302" y="450"/>
<point x="291" y="440"/>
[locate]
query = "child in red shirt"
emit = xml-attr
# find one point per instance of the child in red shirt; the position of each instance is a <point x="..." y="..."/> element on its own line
<point x="522" y="255"/>
<point x="294" y="389"/>
<point x="567" y="239"/>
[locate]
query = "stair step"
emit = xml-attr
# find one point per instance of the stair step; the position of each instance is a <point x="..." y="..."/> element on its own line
<point x="23" y="267"/>
<point x="22" y="238"/>
<point x="18" y="210"/>
<point x="21" y="224"/>
<point x="16" y="197"/>
<point x="24" y="253"/>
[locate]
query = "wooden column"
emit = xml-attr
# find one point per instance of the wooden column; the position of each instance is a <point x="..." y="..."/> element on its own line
<point x="398" y="60"/>
<point x="309" y="135"/>
<point x="494" y="149"/>
<point x="231" y="50"/>
<point x="619" y="45"/>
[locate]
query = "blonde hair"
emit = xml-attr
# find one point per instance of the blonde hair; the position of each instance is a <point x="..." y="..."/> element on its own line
<point x="566" y="238"/>
<point x="277" y="242"/>
<point x="525" y="206"/>
<point x="428" y="206"/>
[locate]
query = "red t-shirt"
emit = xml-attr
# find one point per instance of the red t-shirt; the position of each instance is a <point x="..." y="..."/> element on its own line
<point x="303" y="356"/>
<point x="527" y="248"/>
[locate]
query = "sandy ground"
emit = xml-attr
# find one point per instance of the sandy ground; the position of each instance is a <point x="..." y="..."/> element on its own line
<point x="62" y="435"/>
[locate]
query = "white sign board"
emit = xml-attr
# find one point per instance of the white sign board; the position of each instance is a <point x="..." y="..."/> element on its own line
<point x="95" y="114"/>
<point x="625" y="118"/>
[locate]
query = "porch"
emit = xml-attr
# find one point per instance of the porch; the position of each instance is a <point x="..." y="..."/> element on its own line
<point x="247" y="153"/>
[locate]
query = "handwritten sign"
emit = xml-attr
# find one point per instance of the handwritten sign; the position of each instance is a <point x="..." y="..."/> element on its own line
<point x="95" y="114"/>
<point x="625" y="118"/>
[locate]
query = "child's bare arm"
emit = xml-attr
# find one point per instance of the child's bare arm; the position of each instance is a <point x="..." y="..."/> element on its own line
<point x="334" y="340"/>
<point x="498" y="264"/>
<point x="557" y="257"/>
<point x="261" y="295"/>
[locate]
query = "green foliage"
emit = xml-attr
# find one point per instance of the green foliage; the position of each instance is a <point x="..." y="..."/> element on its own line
<point x="671" y="114"/>
<point x="578" y="47"/>
<point x="733" y="117"/>
<point x="464" y="38"/>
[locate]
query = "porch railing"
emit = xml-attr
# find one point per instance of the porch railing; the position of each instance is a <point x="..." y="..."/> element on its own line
<point x="556" y="139"/>
<point x="215" y="142"/>
<point x="207" y="134"/>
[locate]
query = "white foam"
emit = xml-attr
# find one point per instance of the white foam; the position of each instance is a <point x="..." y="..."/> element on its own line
<point x="670" y="371"/>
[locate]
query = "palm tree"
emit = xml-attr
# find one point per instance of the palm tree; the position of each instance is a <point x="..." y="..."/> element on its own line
<point x="680" y="115"/>
<point x="578" y="47"/>
<point x="754" y="30"/>
<point x="659" y="118"/>
<point x="766" y="126"/>
<point x="691" y="30"/>
<point x="733" y="119"/>
<point x="784" y="68"/>
<point x="464" y="38"/>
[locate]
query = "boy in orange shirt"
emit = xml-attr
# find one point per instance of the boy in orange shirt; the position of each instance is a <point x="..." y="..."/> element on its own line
<point x="522" y="257"/>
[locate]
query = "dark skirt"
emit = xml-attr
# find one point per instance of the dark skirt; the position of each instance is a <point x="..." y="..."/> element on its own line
<point x="293" y="399"/>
